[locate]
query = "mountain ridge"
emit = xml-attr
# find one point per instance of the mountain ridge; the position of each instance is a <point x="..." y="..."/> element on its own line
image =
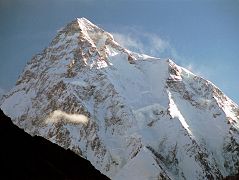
<point x="131" y="103"/>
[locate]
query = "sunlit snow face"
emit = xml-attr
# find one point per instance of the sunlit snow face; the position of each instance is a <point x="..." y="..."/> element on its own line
<point x="59" y="115"/>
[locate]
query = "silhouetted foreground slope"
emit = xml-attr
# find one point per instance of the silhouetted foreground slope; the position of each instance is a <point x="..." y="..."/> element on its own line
<point x="236" y="177"/>
<point x="25" y="157"/>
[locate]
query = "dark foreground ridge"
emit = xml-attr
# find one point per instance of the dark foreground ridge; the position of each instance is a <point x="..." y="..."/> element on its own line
<point x="25" y="157"/>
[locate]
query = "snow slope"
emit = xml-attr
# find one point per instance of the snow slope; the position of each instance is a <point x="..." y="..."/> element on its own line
<point x="133" y="116"/>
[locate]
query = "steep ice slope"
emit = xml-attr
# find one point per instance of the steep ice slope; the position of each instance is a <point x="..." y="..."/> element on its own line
<point x="130" y="114"/>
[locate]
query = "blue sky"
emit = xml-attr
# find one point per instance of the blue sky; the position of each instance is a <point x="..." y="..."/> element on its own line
<point x="200" y="35"/>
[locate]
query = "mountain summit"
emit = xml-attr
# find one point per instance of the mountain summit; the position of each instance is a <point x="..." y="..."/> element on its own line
<point x="131" y="115"/>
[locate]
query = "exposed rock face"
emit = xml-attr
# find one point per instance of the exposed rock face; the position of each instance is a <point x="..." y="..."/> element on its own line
<point x="131" y="115"/>
<point x="25" y="157"/>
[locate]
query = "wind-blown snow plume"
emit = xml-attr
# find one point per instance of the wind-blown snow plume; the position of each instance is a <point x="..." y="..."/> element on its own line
<point x="142" y="42"/>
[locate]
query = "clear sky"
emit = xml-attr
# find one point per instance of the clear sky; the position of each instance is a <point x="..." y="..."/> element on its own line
<point x="202" y="36"/>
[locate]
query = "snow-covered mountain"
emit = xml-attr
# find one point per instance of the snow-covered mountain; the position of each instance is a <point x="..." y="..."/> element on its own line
<point x="133" y="116"/>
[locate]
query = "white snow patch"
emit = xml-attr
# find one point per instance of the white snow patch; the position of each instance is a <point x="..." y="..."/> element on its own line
<point x="174" y="112"/>
<point x="74" y="118"/>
